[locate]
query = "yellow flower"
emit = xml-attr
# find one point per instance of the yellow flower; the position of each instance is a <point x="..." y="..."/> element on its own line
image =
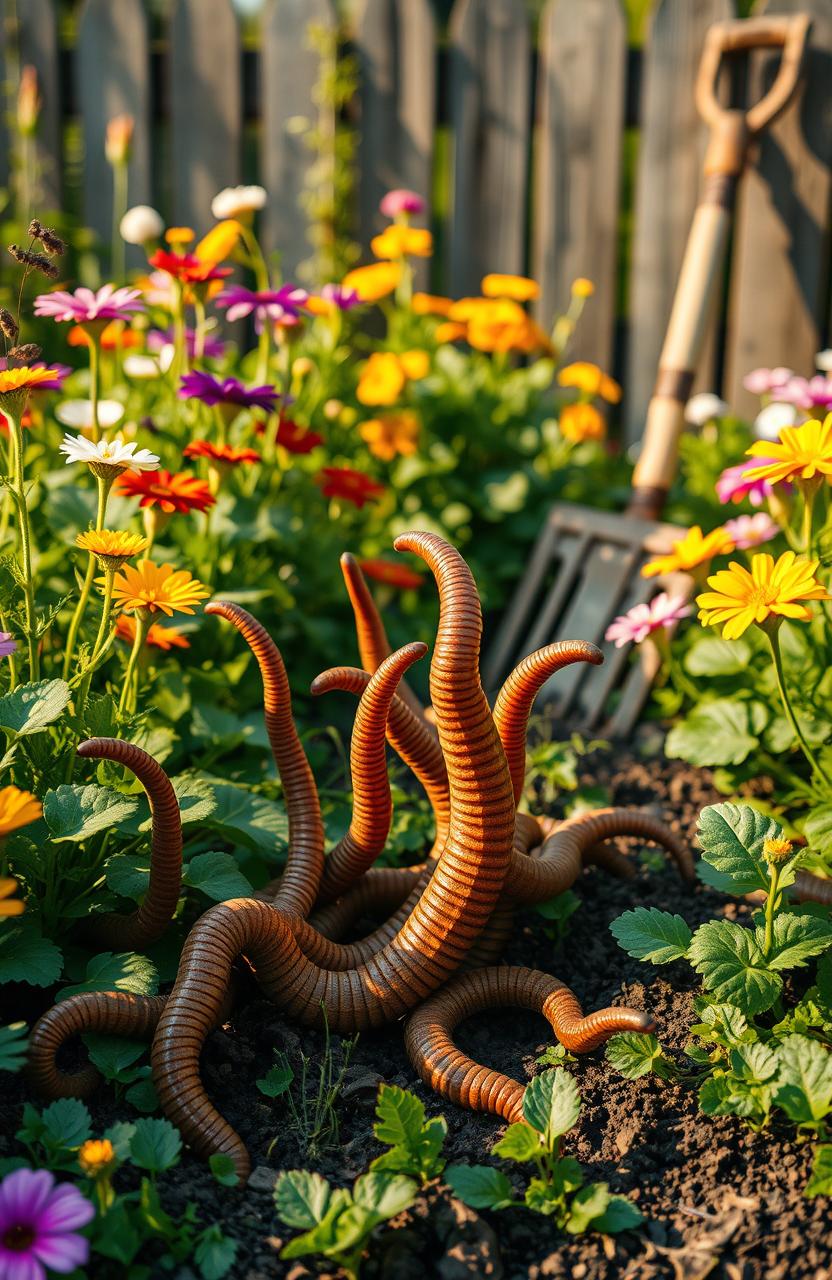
<point x="688" y="552"/>
<point x="391" y="433"/>
<point x="111" y="546"/>
<point x="739" y="598"/>
<point x="450" y="331"/>
<point x="775" y="851"/>
<point x="96" y="1156"/>
<point x="430" y="304"/>
<point x="398" y="241"/>
<point x="157" y="588"/>
<point x="415" y="364"/>
<point x="579" y="422"/>
<point x="802" y="453"/>
<point x="10" y="906"/>
<point x="591" y="380"/>
<point x="179" y="235"/>
<point x="17" y="809"/>
<point x="518" y="288"/>
<point x="373" y="282"/>
<point x="20" y="380"/>
<point x="220" y="241"/>
<point x="382" y="379"/>
<point x="583" y="288"/>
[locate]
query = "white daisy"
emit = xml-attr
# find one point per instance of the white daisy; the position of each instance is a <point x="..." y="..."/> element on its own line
<point x="110" y="453"/>
<point x="141" y="224"/>
<point x="78" y="413"/>
<point x="141" y="367"/>
<point x="231" y="202"/>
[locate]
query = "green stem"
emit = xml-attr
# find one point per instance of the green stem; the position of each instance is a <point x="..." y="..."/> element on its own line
<point x="774" y="642"/>
<point x="809" y="491"/>
<point x="119" y="209"/>
<point x="25" y="534"/>
<point x="95" y="374"/>
<point x="199" y="331"/>
<point x="104" y="487"/>
<point x="771" y="900"/>
<point x="142" y="628"/>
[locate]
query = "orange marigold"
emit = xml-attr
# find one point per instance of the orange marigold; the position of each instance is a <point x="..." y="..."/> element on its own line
<point x="170" y="491"/>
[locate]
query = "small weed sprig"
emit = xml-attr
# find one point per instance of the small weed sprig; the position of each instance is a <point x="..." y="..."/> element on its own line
<point x="551" y="1108"/>
<point x="312" y="1114"/>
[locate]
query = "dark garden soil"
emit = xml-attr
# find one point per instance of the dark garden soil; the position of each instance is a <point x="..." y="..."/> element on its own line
<point x="719" y="1201"/>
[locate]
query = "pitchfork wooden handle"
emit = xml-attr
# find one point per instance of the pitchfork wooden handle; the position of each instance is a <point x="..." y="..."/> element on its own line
<point x="730" y="134"/>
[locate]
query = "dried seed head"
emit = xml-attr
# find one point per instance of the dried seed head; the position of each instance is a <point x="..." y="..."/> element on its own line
<point x="26" y="353"/>
<point x="51" y="242"/>
<point x="776" y="851"/>
<point x="39" y="261"/>
<point x="8" y="325"/>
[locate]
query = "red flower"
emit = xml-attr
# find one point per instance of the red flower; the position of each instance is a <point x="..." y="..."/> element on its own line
<point x="220" y="452"/>
<point x="352" y="486"/>
<point x="187" y="268"/>
<point x="177" y="491"/>
<point x="297" y="439"/>
<point x="25" y="421"/>
<point x="391" y="574"/>
<point x="158" y="637"/>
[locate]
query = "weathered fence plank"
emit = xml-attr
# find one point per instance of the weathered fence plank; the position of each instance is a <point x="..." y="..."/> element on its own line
<point x="583" y="51"/>
<point x="112" y="73"/>
<point x="779" y="297"/>
<point x="206" y="106"/>
<point x="395" y="43"/>
<point x="290" y="70"/>
<point x="490" y="91"/>
<point x="669" y="177"/>
<point x="38" y="36"/>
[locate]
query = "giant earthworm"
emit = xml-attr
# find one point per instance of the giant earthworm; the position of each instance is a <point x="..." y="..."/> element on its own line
<point x="372" y="805"/>
<point x="298" y="886"/>
<point x="431" y="1048"/>
<point x="373" y="645"/>
<point x="148" y="923"/>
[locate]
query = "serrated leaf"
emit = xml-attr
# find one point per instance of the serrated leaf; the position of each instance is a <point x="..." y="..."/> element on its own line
<point x="301" y="1198"/>
<point x="244" y="817"/>
<point x="588" y="1204"/>
<point x="716" y="733"/>
<point x="128" y="971"/>
<point x="795" y="939"/>
<point x="818" y="828"/>
<point x="634" y="1054"/>
<point x="27" y="957"/>
<point x="155" y="1145"/>
<point x="75" y="813"/>
<point x="142" y="1094"/>
<point x="820" y="1180"/>
<point x="113" y="1055"/>
<point x="649" y="934"/>
<point x="414" y="1141"/>
<point x="13" y="1046"/>
<point x="217" y="876"/>
<point x="552" y="1104"/>
<point x="214" y="1253"/>
<point x="128" y="874"/>
<point x="276" y="1081"/>
<point x="196" y="801"/>
<point x="31" y="707"/>
<point x="620" y="1215"/>
<point x="519" y="1142"/>
<point x="732" y="838"/>
<point x="712" y="656"/>
<point x="479" y="1186"/>
<point x="804" y="1082"/>
<point x="384" y="1194"/>
<point x="733" y="967"/>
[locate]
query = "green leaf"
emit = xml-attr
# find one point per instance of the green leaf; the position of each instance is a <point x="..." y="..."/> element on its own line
<point x="128" y="971"/>
<point x="717" y="733"/>
<point x="414" y="1140"/>
<point x="27" y="957"/>
<point x="243" y="817"/>
<point x="634" y="1054"/>
<point x="804" y="1080"/>
<point x="214" y="1253"/>
<point x="120" y="1135"/>
<point x="276" y="1081"/>
<point x="588" y="1204"/>
<point x="479" y="1186"/>
<point x="155" y="1145"/>
<point x="552" y="1104"/>
<point x="820" y="1181"/>
<point x="711" y="656"/>
<point x="650" y="934"/>
<point x="62" y="1126"/>
<point x="31" y="707"/>
<point x="196" y="803"/>
<point x="217" y="876"/>
<point x="519" y="1142"/>
<point x="732" y="838"/>
<point x="142" y="1095"/>
<point x="620" y="1215"/>
<point x="128" y="874"/>
<point x="384" y="1194"/>
<point x="114" y="1055"/>
<point x="733" y="967"/>
<point x="75" y="813"/>
<point x="222" y="1167"/>
<point x="795" y="939"/>
<point x="818" y="828"/>
<point x="301" y="1198"/>
<point x="13" y="1046"/>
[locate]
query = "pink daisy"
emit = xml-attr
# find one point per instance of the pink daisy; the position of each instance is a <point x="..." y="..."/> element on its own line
<point x="733" y="485"/>
<point x="664" y="611"/>
<point x="750" y="531"/>
<point x="82" y="306"/>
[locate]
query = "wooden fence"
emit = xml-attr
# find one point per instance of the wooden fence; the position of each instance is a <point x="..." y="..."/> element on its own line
<point x="537" y="123"/>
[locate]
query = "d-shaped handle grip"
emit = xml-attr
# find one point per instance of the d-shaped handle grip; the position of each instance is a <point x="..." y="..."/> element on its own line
<point x="789" y="33"/>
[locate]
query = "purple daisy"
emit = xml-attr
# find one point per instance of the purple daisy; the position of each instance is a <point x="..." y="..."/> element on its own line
<point x="60" y="371"/>
<point x="211" y="390"/>
<point x="8" y="645"/>
<point x="82" y="306"/>
<point x="272" y="304"/>
<point x="39" y="1224"/>
<point x="344" y="299"/>
<point x="212" y="348"/>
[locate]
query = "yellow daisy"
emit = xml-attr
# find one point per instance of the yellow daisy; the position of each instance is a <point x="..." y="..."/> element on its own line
<point x="111" y="546"/>
<point x="801" y="453"/>
<point x="771" y="589"/>
<point x="156" y="588"/>
<point x="591" y="380"/>
<point x="691" y="550"/>
<point x="518" y="288"/>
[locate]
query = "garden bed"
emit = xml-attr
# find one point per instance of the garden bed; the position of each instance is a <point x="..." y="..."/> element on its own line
<point x="719" y="1200"/>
